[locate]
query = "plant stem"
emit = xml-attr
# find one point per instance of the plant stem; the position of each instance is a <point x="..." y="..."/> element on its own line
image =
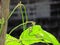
<point x="25" y="15"/>
<point x="22" y="17"/>
<point x="20" y="5"/>
<point x="24" y="26"/>
<point x="4" y="14"/>
<point x="2" y="23"/>
<point x="13" y="11"/>
<point x="21" y="25"/>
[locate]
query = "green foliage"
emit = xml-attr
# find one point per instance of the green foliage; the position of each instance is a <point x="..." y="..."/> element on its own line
<point x="31" y="35"/>
<point x="36" y="34"/>
<point x="11" y="40"/>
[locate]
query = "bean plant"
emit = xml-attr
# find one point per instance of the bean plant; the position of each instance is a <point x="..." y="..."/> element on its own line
<point x="31" y="35"/>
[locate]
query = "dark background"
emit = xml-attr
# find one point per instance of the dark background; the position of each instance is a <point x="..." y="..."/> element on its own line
<point x="43" y="12"/>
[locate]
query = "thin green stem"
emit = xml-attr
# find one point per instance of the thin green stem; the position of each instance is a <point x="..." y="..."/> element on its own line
<point x="24" y="27"/>
<point x="2" y="23"/>
<point x="1" y="29"/>
<point x="20" y="5"/>
<point x="21" y="25"/>
<point x="25" y="13"/>
<point x="13" y="11"/>
<point x="22" y="17"/>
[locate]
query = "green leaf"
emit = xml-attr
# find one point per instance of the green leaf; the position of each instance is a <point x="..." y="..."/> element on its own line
<point x="36" y="34"/>
<point x="50" y="37"/>
<point x="11" y="40"/>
